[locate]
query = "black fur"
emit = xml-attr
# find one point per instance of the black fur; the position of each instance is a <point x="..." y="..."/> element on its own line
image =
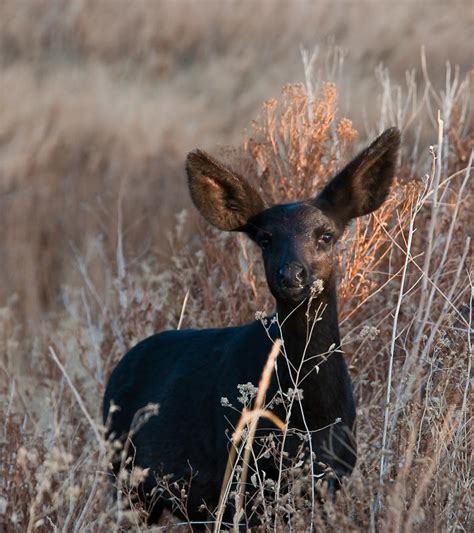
<point x="188" y="372"/>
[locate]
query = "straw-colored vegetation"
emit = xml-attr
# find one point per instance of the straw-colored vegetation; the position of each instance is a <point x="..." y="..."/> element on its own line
<point x="89" y="166"/>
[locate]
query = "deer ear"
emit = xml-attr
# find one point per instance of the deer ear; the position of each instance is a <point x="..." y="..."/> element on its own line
<point x="363" y="185"/>
<point x="224" y="198"/>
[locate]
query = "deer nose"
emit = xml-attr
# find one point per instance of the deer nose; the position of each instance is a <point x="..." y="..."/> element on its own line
<point x="292" y="275"/>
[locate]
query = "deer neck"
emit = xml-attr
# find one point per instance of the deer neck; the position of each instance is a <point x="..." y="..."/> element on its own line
<point x="311" y="330"/>
<point x="314" y="363"/>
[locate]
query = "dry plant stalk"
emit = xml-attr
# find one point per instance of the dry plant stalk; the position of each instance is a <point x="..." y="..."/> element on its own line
<point x="249" y="419"/>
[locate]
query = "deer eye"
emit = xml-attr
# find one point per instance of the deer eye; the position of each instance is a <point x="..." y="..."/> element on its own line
<point x="264" y="241"/>
<point x="326" y="238"/>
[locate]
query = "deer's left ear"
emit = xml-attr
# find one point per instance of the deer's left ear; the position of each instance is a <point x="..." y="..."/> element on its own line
<point x="363" y="185"/>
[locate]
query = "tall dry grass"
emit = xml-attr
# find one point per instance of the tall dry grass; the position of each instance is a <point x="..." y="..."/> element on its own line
<point x="406" y="300"/>
<point x="96" y="113"/>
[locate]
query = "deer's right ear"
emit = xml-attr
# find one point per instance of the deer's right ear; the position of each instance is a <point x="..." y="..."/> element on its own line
<point x="224" y="198"/>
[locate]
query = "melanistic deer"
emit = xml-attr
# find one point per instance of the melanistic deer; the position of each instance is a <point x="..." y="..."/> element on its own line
<point x="188" y="372"/>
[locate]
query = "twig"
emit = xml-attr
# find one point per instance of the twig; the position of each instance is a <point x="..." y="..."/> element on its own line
<point x="99" y="438"/>
<point x="249" y="418"/>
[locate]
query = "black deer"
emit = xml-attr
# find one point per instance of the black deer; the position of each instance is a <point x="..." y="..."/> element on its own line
<point x="188" y="372"/>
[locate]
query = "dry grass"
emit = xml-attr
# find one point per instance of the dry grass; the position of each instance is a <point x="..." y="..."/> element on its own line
<point x="407" y="281"/>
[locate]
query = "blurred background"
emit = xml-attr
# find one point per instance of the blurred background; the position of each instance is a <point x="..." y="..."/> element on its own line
<point x="101" y="100"/>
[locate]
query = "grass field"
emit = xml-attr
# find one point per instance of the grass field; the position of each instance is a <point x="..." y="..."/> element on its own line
<point x="99" y="104"/>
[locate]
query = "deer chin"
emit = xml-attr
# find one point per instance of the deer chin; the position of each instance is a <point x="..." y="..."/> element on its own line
<point x="292" y="295"/>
